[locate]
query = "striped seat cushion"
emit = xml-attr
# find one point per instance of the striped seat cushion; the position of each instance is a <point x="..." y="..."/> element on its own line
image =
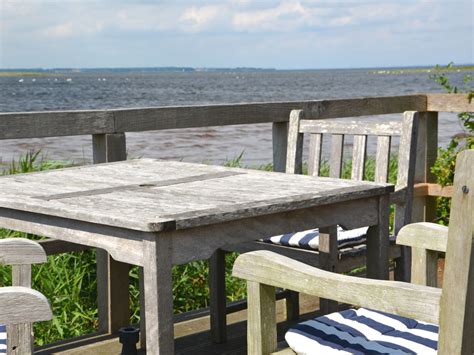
<point x="349" y="241"/>
<point x="363" y="331"/>
<point x="3" y="339"/>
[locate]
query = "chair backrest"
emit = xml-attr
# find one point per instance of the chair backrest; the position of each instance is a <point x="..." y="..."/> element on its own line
<point x="457" y="301"/>
<point x="19" y="305"/>
<point x="406" y="129"/>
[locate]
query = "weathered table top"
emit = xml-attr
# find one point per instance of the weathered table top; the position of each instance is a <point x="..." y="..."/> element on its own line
<point x="152" y="195"/>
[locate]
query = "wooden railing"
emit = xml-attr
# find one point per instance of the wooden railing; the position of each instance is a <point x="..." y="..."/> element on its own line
<point x="108" y="129"/>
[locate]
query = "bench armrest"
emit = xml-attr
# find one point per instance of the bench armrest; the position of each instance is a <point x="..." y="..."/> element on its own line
<point x="21" y="251"/>
<point x="23" y="305"/>
<point x="424" y="235"/>
<point x="405" y="299"/>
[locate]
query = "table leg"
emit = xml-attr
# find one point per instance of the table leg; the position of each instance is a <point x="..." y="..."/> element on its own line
<point x="112" y="293"/>
<point x="378" y="243"/>
<point x="218" y="299"/>
<point x="158" y="296"/>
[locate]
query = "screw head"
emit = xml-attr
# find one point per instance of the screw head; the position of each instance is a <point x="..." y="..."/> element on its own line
<point x="465" y="189"/>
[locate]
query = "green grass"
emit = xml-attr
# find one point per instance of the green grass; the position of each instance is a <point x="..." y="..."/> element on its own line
<point x="69" y="281"/>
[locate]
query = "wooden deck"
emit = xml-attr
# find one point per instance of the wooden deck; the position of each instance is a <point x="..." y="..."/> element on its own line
<point x="192" y="336"/>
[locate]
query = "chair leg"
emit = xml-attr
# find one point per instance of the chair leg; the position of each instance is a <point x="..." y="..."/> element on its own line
<point x="292" y="305"/>
<point x="402" y="270"/>
<point x="328" y="260"/>
<point x="218" y="297"/>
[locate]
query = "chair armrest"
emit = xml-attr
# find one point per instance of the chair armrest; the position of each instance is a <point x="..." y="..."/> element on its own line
<point x="423" y="235"/>
<point x="414" y="301"/>
<point x="23" y="305"/>
<point x="21" y="251"/>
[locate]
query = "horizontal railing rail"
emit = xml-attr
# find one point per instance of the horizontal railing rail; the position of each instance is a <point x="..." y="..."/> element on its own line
<point x="18" y="125"/>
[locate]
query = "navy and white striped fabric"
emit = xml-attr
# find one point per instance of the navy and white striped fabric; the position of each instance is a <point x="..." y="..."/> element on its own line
<point x="349" y="241"/>
<point x="3" y="339"/>
<point x="363" y="331"/>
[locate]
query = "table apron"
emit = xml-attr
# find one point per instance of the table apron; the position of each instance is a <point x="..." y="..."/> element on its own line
<point x="122" y="245"/>
<point x="194" y="243"/>
<point x="199" y="243"/>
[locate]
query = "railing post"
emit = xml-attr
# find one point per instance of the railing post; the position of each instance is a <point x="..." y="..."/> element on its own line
<point x="112" y="276"/>
<point x="424" y="207"/>
<point x="279" y="141"/>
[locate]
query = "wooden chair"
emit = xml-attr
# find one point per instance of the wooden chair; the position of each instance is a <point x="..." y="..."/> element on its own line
<point x="333" y="258"/>
<point x="19" y="304"/>
<point x="450" y="307"/>
<point x="406" y="129"/>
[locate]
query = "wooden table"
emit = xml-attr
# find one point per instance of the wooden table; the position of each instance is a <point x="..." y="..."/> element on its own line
<point x="158" y="213"/>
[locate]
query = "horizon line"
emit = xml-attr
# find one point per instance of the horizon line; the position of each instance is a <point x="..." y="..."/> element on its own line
<point x="232" y="68"/>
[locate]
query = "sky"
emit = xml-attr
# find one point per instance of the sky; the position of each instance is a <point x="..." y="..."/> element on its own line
<point x="289" y="34"/>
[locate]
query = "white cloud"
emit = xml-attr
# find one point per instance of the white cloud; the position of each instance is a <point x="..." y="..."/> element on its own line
<point x="197" y="18"/>
<point x="285" y="16"/>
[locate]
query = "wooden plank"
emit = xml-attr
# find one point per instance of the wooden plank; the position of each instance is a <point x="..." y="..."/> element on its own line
<point x="279" y="142"/>
<point x="424" y="208"/>
<point x="423" y="235"/>
<point x="456" y="310"/>
<point x="261" y="328"/>
<point x="430" y="189"/>
<point x="407" y="155"/>
<point x="449" y="103"/>
<point x="20" y="251"/>
<point x="145" y="119"/>
<point x="424" y="267"/>
<point x="359" y="155"/>
<point x="22" y="304"/>
<point x="54" y="123"/>
<point x="337" y="146"/>
<point x="408" y="300"/>
<point x="352" y="127"/>
<point x="314" y="156"/>
<point x="382" y="159"/>
<point x="294" y="157"/>
<point x="64" y="123"/>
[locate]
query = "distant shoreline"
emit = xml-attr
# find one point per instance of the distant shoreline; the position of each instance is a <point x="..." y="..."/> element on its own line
<point x="63" y="71"/>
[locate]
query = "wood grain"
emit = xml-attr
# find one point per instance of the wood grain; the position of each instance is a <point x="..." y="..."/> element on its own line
<point x="449" y="103"/>
<point x="414" y="301"/>
<point x="20" y="251"/>
<point x="424" y="235"/>
<point x="22" y="304"/>
<point x="457" y="311"/>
